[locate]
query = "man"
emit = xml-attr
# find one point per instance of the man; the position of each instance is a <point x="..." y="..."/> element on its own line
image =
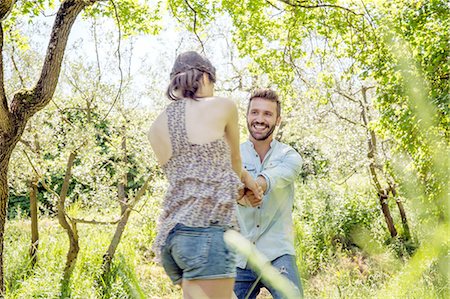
<point x="268" y="222"/>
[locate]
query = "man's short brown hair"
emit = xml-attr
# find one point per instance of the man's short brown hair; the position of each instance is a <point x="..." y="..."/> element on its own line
<point x="267" y="94"/>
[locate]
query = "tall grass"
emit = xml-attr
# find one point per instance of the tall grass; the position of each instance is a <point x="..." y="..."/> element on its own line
<point x="133" y="274"/>
<point x="366" y="269"/>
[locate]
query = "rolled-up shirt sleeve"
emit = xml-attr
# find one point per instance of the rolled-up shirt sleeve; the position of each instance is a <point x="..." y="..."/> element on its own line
<point x="284" y="172"/>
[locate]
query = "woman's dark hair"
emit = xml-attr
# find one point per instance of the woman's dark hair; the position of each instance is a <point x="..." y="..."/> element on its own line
<point x="186" y="75"/>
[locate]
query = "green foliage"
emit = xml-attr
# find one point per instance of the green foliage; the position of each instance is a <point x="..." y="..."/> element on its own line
<point x="18" y="205"/>
<point x="417" y="69"/>
<point x="31" y="8"/>
<point x="20" y="270"/>
<point x="327" y="217"/>
<point x="131" y="16"/>
<point x="315" y="164"/>
<point x="195" y="15"/>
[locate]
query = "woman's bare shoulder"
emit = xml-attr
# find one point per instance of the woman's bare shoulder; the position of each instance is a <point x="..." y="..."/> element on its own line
<point x="158" y="126"/>
<point x="225" y="103"/>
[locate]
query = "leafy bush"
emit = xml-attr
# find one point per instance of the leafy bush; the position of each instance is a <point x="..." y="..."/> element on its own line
<point x="326" y="218"/>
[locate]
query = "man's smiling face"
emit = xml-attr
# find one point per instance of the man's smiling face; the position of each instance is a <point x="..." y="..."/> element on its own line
<point x="262" y="118"/>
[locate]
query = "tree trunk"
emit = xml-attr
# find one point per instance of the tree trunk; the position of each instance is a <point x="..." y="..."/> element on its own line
<point x="124" y="212"/>
<point x="5" y="8"/>
<point x="8" y="141"/>
<point x="387" y="213"/>
<point x="34" y="222"/>
<point x="6" y="146"/>
<point x="401" y="209"/>
<point x="70" y="228"/>
<point x="372" y="155"/>
<point x="26" y="103"/>
<point x="71" y="259"/>
<point x="109" y="255"/>
<point x="126" y="205"/>
<point x="3" y="206"/>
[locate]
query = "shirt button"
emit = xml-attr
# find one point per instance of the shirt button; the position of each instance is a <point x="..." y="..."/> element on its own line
<point x="257" y="225"/>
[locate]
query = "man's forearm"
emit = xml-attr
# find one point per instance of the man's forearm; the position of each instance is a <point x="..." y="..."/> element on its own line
<point x="262" y="182"/>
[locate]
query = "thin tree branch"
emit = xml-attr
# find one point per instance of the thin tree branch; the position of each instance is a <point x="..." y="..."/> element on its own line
<point x="140" y="193"/>
<point x="22" y="81"/>
<point x="273" y="5"/>
<point x="37" y="173"/>
<point x="93" y="96"/>
<point x="297" y="68"/>
<point x="97" y="55"/>
<point x="5" y="116"/>
<point x="320" y="5"/>
<point x="130" y="56"/>
<point x="119" y="91"/>
<point x="27" y="144"/>
<point x="75" y="85"/>
<point x="346" y="119"/>
<point x="42" y="180"/>
<point x="346" y="178"/>
<point x="333" y="110"/>
<point x="66" y="182"/>
<point x="63" y="117"/>
<point x="195" y="25"/>
<point x="85" y="221"/>
<point x="341" y="93"/>
<point x="57" y="196"/>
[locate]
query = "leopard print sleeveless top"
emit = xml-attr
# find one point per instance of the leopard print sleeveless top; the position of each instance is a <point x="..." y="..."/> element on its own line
<point x="203" y="187"/>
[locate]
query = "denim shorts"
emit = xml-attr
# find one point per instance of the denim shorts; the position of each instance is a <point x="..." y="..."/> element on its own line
<point x="197" y="253"/>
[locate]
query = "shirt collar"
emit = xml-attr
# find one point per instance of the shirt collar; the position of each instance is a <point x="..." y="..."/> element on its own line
<point x="272" y="143"/>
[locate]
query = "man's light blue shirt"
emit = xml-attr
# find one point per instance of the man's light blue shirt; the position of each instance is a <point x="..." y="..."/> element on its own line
<point x="270" y="225"/>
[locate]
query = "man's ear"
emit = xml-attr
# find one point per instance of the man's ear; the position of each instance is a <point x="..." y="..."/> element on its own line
<point x="278" y="120"/>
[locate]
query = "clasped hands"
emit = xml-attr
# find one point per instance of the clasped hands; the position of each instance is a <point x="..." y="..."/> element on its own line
<point x="251" y="195"/>
<point x="247" y="198"/>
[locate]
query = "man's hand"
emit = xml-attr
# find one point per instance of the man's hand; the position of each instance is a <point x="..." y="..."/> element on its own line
<point x="261" y="181"/>
<point x="251" y="199"/>
<point x="247" y="197"/>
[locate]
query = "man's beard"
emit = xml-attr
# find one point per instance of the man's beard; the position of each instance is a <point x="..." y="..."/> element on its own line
<point x="263" y="137"/>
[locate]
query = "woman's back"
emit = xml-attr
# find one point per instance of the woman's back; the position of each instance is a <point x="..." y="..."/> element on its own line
<point x="202" y="184"/>
<point x="205" y="121"/>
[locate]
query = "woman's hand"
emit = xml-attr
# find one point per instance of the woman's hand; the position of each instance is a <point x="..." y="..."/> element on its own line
<point x="252" y="194"/>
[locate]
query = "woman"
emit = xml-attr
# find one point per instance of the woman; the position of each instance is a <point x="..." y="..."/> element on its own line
<point x="196" y="140"/>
